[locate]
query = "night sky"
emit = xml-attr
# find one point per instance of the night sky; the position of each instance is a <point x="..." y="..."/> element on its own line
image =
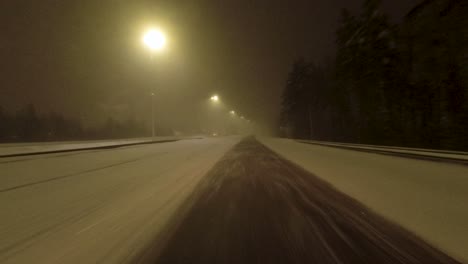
<point x="85" y="58"/>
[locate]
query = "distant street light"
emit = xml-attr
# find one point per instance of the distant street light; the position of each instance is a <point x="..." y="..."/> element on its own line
<point x="232" y="112"/>
<point x="155" y="40"/>
<point x="214" y="98"/>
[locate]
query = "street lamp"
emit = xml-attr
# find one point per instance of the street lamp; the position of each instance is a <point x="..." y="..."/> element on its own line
<point x="214" y="98"/>
<point x="155" y="40"/>
<point x="232" y="112"/>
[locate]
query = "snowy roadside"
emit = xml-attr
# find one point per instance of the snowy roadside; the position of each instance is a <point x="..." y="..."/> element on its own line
<point x="444" y="154"/>
<point x="8" y="150"/>
<point x="428" y="198"/>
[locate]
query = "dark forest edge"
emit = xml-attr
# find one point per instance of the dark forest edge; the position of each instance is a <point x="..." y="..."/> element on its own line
<point x="390" y="84"/>
<point x="26" y="125"/>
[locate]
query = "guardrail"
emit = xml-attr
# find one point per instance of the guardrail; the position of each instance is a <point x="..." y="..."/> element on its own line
<point x="21" y="150"/>
<point x="447" y="156"/>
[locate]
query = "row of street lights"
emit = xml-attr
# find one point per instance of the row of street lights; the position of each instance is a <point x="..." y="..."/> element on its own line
<point x="215" y="99"/>
<point x="242" y="123"/>
<point x="155" y="41"/>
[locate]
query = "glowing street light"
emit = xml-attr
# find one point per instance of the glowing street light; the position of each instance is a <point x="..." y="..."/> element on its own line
<point x="232" y="112"/>
<point x="214" y="98"/>
<point x="154" y="39"/>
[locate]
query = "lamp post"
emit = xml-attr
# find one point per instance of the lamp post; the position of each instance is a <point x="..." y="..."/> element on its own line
<point x="155" y="41"/>
<point x="214" y="98"/>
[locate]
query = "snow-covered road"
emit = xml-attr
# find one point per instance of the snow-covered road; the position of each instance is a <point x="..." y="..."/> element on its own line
<point x="426" y="197"/>
<point x="96" y="206"/>
<point x="106" y="205"/>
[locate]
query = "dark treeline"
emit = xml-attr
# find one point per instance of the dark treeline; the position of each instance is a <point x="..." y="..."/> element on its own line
<point x="404" y="84"/>
<point x="27" y="125"/>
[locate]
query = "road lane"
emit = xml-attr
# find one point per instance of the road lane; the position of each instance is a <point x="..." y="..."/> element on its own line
<point x="255" y="207"/>
<point x="428" y="198"/>
<point x="97" y="206"/>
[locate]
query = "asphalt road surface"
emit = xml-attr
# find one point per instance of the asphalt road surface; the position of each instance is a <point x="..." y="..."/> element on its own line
<point x="193" y="201"/>
<point x="255" y="207"/>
